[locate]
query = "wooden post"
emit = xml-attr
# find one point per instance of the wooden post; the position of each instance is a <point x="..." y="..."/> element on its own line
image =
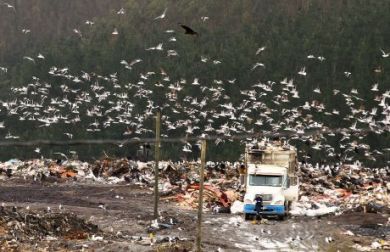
<point x="200" y="206"/>
<point x="157" y="158"/>
<point x="246" y="165"/>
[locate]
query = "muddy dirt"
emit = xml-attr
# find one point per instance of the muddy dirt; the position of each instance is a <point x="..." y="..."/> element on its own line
<point x="123" y="214"/>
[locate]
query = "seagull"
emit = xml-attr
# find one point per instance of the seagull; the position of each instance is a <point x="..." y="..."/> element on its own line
<point x="260" y="50"/>
<point x="172" y="53"/>
<point x="25" y="31"/>
<point x="102" y="206"/>
<point x="121" y="11"/>
<point x="302" y="71"/>
<point x="187" y="147"/>
<point x="349" y="232"/>
<point x="135" y="61"/>
<point x="385" y="55"/>
<point x="115" y="32"/>
<point x="29" y="58"/>
<point x="232" y="81"/>
<point x="159" y="47"/>
<point x="317" y="90"/>
<point x="328" y="239"/>
<point x="61" y="154"/>
<point x="204" y="18"/>
<point x="88" y="22"/>
<point x="40" y="56"/>
<point x="37" y="150"/>
<point x="69" y="135"/>
<point x="375" y="87"/>
<point x="78" y="32"/>
<point x="347" y="74"/>
<point x="195" y="82"/>
<point x="188" y="30"/>
<point x="321" y="58"/>
<point x="257" y="65"/>
<point x="9" y="6"/>
<point x="162" y="15"/>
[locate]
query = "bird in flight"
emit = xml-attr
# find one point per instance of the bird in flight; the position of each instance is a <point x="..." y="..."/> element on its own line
<point x="204" y="18"/>
<point x="29" y="58"/>
<point x="260" y="50"/>
<point x="115" y="32"/>
<point x="257" y="65"/>
<point x="25" y="31"/>
<point x="8" y="6"/>
<point x="162" y="16"/>
<point x="121" y="11"/>
<point x="188" y="30"/>
<point x="302" y="71"/>
<point x="385" y="55"/>
<point x="88" y="22"/>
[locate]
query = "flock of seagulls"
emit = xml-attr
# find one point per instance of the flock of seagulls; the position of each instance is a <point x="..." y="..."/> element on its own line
<point x="94" y="103"/>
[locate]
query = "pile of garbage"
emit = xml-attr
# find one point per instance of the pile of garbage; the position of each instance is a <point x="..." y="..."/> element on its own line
<point x="177" y="181"/>
<point x="22" y="225"/>
<point x="213" y="198"/>
<point x="342" y="188"/>
<point x="42" y="169"/>
<point x="324" y="189"/>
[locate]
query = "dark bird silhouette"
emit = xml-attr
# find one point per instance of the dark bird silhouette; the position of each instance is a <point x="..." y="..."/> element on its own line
<point x="188" y="30"/>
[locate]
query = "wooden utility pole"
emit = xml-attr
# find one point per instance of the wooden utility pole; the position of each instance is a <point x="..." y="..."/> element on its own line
<point x="246" y="165"/>
<point x="157" y="159"/>
<point x="200" y="204"/>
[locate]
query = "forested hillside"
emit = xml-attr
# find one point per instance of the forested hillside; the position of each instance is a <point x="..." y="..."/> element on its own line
<point x="339" y="44"/>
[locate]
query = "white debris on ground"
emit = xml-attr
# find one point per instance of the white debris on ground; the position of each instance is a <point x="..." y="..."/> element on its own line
<point x="376" y="245"/>
<point x="237" y="207"/>
<point x="324" y="190"/>
<point x="256" y="236"/>
<point x="307" y="207"/>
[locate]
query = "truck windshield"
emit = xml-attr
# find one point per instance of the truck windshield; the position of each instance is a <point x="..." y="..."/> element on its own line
<point x="265" y="180"/>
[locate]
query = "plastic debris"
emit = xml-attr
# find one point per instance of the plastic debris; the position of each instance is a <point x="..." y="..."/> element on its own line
<point x="324" y="190"/>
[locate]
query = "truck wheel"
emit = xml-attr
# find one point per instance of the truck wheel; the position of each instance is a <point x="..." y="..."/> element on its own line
<point x="248" y="217"/>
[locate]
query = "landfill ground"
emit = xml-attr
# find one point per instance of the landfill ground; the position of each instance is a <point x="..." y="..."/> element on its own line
<point x="124" y="223"/>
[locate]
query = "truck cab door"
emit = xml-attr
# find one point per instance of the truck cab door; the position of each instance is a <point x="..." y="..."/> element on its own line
<point x="291" y="192"/>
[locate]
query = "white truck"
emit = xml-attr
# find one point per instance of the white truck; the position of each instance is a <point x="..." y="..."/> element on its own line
<point x="271" y="174"/>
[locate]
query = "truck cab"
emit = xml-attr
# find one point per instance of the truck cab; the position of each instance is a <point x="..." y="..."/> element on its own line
<point x="271" y="174"/>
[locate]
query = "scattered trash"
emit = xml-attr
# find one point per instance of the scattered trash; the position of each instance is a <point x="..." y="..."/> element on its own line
<point x="25" y="225"/>
<point x="237" y="207"/>
<point x="311" y="208"/>
<point x="324" y="189"/>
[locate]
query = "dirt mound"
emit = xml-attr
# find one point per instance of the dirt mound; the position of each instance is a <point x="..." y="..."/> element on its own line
<point x="23" y="225"/>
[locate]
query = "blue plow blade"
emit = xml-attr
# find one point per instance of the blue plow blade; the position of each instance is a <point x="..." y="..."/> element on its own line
<point x="267" y="210"/>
